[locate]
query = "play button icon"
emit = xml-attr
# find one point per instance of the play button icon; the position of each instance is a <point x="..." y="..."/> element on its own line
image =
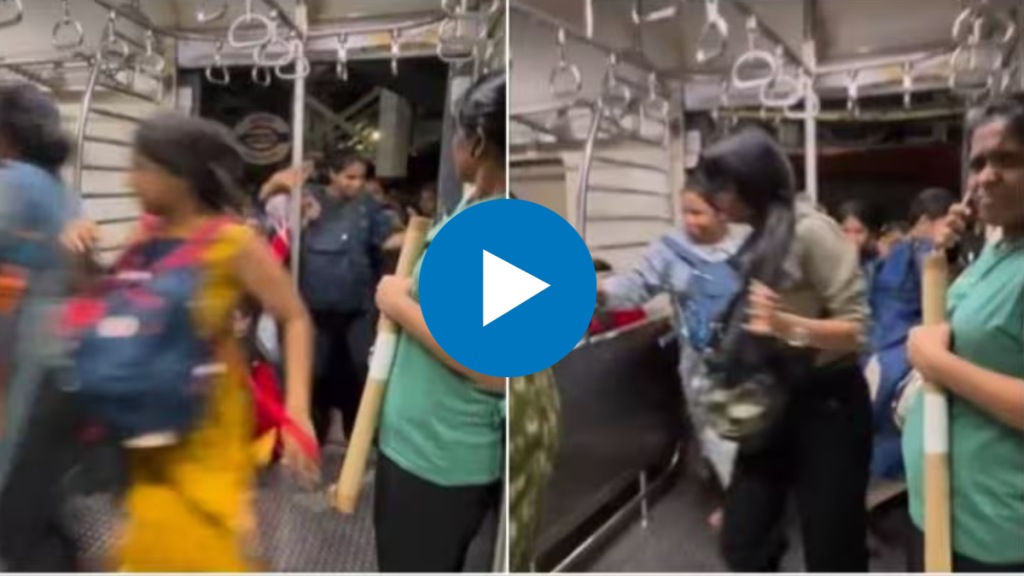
<point x="507" y="287"/>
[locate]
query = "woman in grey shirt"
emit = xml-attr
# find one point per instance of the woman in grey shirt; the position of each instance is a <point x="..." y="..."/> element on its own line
<point x="792" y="345"/>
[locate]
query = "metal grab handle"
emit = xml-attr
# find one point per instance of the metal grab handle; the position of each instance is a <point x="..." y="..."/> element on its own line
<point x="561" y="89"/>
<point x="809" y="97"/>
<point x="341" y="67"/>
<point x="616" y="96"/>
<point x="206" y="16"/>
<point x="451" y="7"/>
<point x="74" y="40"/>
<point x="302" y="64"/>
<point x="453" y="47"/>
<point x="224" y="76"/>
<point x="261" y="76"/>
<point x="564" y="71"/>
<point x="17" y="17"/>
<point x="752" y="57"/>
<point x="716" y="29"/>
<point x="151" y="63"/>
<point x="259" y="54"/>
<point x="655" y="105"/>
<point x="782" y="92"/>
<point x="248" y="18"/>
<point x="970" y="24"/>
<point x="113" y="50"/>
<point x="396" y="51"/>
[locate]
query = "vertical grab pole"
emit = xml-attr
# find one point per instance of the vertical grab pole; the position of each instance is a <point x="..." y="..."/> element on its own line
<point x="937" y="516"/>
<point x="83" y="124"/>
<point x="298" y="136"/>
<point x="583" y="184"/>
<point x="810" y="54"/>
<point x="350" y="481"/>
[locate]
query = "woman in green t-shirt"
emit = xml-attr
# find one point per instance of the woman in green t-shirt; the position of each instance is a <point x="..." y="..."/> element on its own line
<point x="978" y="358"/>
<point x="441" y="427"/>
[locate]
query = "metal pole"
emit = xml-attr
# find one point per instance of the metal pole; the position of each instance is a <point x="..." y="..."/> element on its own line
<point x="83" y="124"/>
<point x="583" y="183"/>
<point x="810" y="52"/>
<point x="298" y="138"/>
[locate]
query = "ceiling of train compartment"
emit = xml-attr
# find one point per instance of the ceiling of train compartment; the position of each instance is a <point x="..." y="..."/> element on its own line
<point x="181" y="14"/>
<point x="847" y="33"/>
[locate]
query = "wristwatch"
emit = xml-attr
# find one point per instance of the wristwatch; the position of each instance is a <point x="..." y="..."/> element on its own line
<point x="798" y="337"/>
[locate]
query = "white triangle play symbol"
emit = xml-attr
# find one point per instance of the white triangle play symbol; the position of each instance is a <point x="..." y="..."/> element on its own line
<point x="506" y="287"/>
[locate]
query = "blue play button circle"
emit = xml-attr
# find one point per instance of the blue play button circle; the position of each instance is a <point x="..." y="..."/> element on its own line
<point x="507" y="288"/>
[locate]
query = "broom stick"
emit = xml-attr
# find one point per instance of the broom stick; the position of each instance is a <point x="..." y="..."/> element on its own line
<point x="938" y="538"/>
<point x="350" y="481"/>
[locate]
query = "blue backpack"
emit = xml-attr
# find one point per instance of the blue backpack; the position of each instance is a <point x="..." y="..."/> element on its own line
<point x="711" y="290"/>
<point x="142" y="367"/>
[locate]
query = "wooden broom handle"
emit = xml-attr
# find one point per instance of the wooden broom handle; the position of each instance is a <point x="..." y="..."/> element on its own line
<point x="350" y="481"/>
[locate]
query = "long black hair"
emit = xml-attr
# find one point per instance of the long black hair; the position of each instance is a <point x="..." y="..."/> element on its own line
<point x="869" y="214"/>
<point x="201" y="152"/>
<point x="750" y="164"/>
<point x="481" y="113"/>
<point x="30" y="125"/>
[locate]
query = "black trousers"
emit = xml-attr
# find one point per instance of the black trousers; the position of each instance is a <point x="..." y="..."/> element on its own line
<point x="424" y="527"/>
<point x="33" y="536"/>
<point x="343" y="341"/>
<point x="820" y="456"/>
<point x="961" y="563"/>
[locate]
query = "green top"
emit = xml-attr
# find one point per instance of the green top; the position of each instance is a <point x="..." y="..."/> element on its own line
<point x="986" y="457"/>
<point x="435" y="423"/>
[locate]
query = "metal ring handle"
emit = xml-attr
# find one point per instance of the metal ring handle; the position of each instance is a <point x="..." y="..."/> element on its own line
<point x="560" y="89"/>
<point x="747" y="60"/>
<point x="75" y="40"/>
<point x="960" y="25"/>
<point x="218" y="74"/>
<point x="452" y="47"/>
<point x="259" y="53"/>
<point x="246" y="19"/>
<point x="206" y="16"/>
<point x="17" y="17"/>
<point x="301" y="62"/>
<point x="809" y="96"/>
<point x="151" y="63"/>
<point x="451" y="7"/>
<point x="782" y="92"/>
<point x="261" y="76"/>
<point x="719" y="32"/>
<point x="616" y="99"/>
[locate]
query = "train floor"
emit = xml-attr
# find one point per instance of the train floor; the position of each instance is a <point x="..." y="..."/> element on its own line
<point x="300" y="531"/>
<point x="678" y="538"/>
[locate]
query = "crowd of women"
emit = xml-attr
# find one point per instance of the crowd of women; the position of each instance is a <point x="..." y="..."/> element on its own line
<point x="802" y="353"/>
<point x="149" y="348"/>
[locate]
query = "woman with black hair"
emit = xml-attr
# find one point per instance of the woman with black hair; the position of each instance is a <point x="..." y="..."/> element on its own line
<point x="440" y="437"/>
<point x="978" y="359"/>
<point x="36" y="420"/>
<point x="346" y="231"/>
<point x="784" y="373"/>
<point x="190" y="494"/>
<point x="862" y="223"/>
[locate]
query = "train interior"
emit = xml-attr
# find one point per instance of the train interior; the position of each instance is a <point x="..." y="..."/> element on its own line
<point x="611" y="102"/>
<point x="292" y="79"/>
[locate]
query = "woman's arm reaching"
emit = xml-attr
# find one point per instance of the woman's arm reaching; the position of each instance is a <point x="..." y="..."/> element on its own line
<point x="394" y="301"/>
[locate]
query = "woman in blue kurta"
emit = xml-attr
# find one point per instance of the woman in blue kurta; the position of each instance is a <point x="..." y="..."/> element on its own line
<point x="978" y="359"/>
